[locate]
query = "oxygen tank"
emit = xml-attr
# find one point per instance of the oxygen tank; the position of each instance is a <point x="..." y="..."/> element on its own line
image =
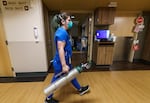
<point x="66" y="78"/>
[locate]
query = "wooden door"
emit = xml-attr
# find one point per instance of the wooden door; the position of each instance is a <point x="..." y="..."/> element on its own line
<point x="101" y="55"/>
<point x="104" y="12"/>
<point x="5" y="65"/>
<point x="104" y="16"/>
<point x="109" y="55"/>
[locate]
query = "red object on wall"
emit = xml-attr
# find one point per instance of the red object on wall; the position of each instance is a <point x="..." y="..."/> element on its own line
<point x="135" y="47"/>
<point x="140" y="20"/>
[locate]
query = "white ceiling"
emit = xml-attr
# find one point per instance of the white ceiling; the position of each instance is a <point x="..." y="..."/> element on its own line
<point x="90" y="5"/>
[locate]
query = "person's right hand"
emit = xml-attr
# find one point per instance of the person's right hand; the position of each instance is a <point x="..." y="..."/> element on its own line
<point x="65" y="68"/>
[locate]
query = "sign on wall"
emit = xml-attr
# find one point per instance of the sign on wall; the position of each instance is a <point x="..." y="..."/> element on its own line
<point x="16" y="4"/>
<point x="139" y="20"/>
<point x="139" y="24"/>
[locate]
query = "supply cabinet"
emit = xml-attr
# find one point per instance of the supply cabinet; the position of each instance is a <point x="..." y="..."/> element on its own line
<point x="104" y="15"/>
<point x="104" y="53"/>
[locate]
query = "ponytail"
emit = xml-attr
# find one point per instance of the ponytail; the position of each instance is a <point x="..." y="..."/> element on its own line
<point x="55" y="22"/>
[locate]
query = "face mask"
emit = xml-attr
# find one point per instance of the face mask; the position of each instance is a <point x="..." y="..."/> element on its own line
<point x="70" y="24"/>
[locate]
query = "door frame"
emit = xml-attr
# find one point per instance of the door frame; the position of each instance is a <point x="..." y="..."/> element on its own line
<point x="7" y="71"/>
<point x="90" y="30"/>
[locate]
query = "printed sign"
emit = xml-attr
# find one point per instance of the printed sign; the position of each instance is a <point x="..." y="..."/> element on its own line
<point x="140" y="20"/>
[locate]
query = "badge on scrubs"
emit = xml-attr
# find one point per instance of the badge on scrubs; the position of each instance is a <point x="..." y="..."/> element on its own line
<point x="69" y="60"/>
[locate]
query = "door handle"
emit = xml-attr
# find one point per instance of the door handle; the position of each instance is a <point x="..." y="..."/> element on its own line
<point x="36" y="35"/>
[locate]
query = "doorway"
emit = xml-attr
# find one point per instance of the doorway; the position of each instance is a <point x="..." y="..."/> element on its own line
<point x="81" y="36"/>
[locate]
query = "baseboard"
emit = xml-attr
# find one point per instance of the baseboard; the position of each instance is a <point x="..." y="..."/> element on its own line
<point x="25" y="77"/>
<point x="102" y="67"/>
<point x="31" y="74"/>
<point x="142" y="61"/>
<point x="137" y="60"/>
<point x="146" y="62"/>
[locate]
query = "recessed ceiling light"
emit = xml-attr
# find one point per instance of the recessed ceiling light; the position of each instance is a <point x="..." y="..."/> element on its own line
<point x="112" y="4"/>
<point x="72" y="17"/>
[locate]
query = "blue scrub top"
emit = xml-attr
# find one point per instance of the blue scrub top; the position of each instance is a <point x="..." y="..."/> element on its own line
<point x="62" y="35"/>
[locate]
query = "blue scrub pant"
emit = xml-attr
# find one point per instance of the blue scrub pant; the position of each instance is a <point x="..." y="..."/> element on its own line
<point x="57" y="70"/>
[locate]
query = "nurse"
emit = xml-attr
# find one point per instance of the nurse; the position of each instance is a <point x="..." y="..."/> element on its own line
<point x="62" y="58"/>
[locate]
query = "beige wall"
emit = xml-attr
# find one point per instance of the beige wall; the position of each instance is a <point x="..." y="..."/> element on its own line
<point x="19" y="24"/>
<point x="124" y="23"/>
<point x="26" y="54"/>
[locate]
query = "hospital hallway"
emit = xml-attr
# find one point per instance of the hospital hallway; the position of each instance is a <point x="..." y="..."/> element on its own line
<point x="105" y="87"/>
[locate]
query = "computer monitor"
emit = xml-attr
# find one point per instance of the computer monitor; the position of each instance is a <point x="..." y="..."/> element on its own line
<point x="102" y="34"/>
